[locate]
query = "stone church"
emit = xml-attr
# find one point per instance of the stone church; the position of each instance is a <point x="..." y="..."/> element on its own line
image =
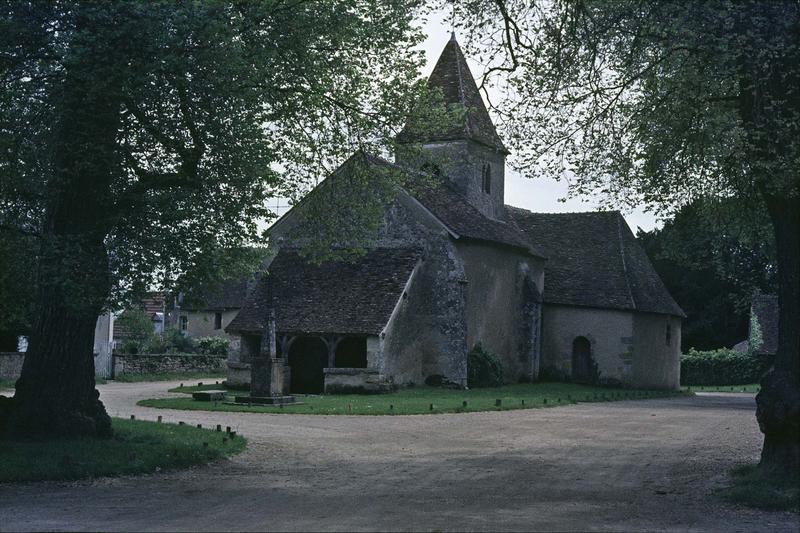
<point x="555" y="296"/>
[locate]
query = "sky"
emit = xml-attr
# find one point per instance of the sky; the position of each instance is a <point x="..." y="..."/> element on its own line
<point x="539" y="195"/>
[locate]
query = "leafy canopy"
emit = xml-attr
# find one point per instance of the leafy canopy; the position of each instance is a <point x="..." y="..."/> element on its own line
<point x="220" y="106"/>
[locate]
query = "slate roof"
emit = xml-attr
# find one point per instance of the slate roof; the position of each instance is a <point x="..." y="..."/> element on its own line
<point x="452" y="76"/>
<point x="334" y="297"/>
<point x="595" y="261"/>
<point x="765" y="308"/>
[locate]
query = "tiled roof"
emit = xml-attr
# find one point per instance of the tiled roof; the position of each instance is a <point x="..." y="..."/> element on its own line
<point x="333" y="297"/>
<point x="452" y="76"/>
<point x="463" y="219"/>
<point x="765" y="308"/>
<point x="453" y="210"/>
<point x="595" y="261"/>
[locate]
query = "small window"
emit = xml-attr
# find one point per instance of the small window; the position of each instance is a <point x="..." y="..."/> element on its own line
<point x="486" y="178"/>
<point x="217" y="320"/>
<point x="669" y="335"/>
<point x="184" y="323"/>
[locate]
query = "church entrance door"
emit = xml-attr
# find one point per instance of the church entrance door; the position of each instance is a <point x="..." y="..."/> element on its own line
<point x="308" y="356"/>
<point x="583" y="368"/>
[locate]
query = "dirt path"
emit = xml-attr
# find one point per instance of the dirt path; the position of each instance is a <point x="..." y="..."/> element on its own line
<point x="624" y="466"/>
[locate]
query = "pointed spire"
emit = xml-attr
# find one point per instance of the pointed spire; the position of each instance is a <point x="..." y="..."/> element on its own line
<point x="452" y="77"/>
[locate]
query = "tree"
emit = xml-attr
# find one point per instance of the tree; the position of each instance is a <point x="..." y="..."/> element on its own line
<point x="712" y="259"/>
<point x="657" y="102"/>
<point x="137" y="139"/>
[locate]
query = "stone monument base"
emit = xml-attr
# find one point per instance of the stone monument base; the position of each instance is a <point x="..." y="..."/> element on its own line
<point x="267" y="400"/>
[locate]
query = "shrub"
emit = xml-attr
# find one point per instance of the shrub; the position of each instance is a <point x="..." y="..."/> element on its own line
<point x="484" y="369"/>
<point x="178" y="343"/>
<point x="722" y="367"/>
<point x="139" y="329"/>
<point x="213" y="345"/>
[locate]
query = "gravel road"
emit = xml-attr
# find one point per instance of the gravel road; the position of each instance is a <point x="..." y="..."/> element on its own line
<point x="643" y="465"/>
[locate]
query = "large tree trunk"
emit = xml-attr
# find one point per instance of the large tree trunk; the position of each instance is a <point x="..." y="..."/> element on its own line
<point x="55" y="394"/>
<point x="778" y="410"/>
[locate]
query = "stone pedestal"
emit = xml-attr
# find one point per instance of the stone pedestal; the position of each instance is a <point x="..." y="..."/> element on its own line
<point x="261" y="376"/>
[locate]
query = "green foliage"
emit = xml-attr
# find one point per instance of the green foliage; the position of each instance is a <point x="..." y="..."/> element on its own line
<point x="213" y="345"/>
<point x="137" y="447"/>
<point x="484" y="369"/>
<point x="139" y="329"/>
<point x="647" y="102"/>
<point x="17" y="284"/>
<point x="418" y="400"/>
<point x="722" y="367"/>
<point x="712" y="257"/>
<point x="205" y="100"/>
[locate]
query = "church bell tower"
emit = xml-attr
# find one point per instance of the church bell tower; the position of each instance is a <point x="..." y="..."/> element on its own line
<point x="468" y="152"/>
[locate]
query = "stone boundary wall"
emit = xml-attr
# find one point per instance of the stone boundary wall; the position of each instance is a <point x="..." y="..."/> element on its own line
<point x="11" y="365"/>
<point x="167" y="363"/>
<point x="355" y="381"/>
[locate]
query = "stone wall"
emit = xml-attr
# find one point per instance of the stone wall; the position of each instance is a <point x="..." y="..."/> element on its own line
<point x="355" y="381"/>
<point x="656" y="363"/>
<point x="11" y="365"/>
<point x="628" y="347"/>
<point x="610" y="334"/>
<point x="167" y="363"/>
<point x="427" y="334"/>
<point x="500" y="310"/>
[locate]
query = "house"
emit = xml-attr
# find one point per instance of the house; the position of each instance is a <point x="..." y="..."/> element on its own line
<point x="571" y="296"/>
<point x="209" y="313"/>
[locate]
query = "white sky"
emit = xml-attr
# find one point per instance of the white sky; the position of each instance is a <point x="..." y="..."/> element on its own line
<point x="540" y="195"/>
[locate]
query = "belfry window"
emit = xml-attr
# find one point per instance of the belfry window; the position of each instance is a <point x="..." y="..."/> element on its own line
<point x="487" y="178"/>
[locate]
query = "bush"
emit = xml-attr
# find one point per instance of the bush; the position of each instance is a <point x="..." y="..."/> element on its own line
<point x="722" y="367"/>
<point x="139" y="329"/>
<point x="213" y="345"/>
<point x="484" y="369"/>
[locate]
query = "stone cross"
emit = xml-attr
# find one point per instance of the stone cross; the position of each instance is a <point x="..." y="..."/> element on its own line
<point x="261" y="366"/>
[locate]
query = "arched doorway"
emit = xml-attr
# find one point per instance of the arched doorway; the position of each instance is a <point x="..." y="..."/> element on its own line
<point x="583" y="368"/>
<point x="308" y="356"/>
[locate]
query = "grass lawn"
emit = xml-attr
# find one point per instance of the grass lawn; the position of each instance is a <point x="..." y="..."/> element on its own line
<point x="168" y="376"/>
<point x="418" y="400"/>
<point x="752" y="387"/>
<point x="137" y="447"/>
<point x="755" y="488"/>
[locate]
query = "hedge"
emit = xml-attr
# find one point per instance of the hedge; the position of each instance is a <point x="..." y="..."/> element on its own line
<point x="722" y="367"/>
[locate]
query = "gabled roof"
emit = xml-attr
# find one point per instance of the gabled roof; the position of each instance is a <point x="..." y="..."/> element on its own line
<point x="447" y="205"/>
<point x="452" y="76"/>
<point x="595" y="261"/>
<point x="341" y="297"/>
<point x="764" y="308"/>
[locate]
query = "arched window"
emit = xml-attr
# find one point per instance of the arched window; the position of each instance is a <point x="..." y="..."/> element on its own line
<point x="486" y="178"/>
